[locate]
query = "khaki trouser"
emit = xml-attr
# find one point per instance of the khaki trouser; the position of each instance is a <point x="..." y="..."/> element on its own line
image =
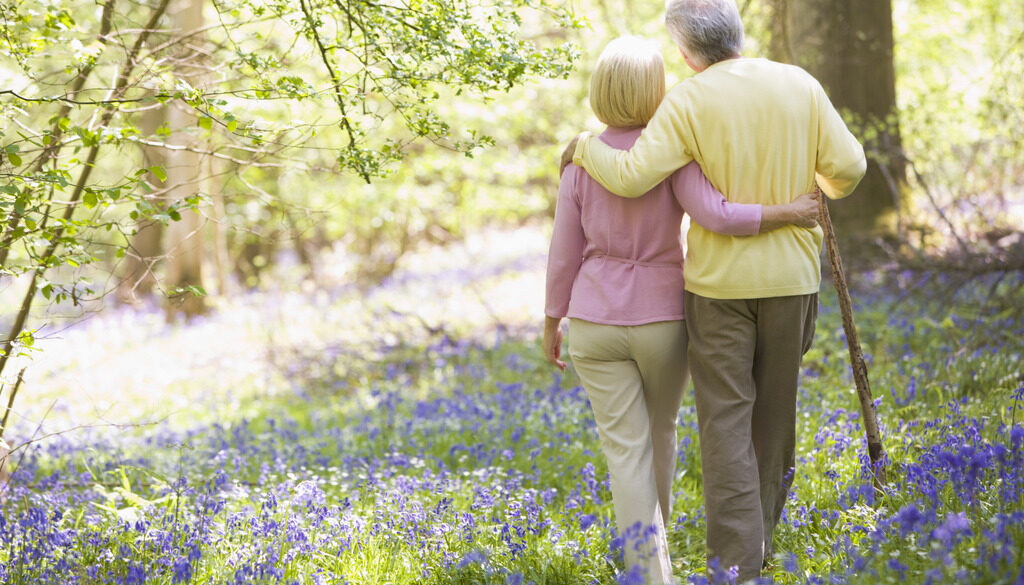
<point x="634" y="377"/>
<point x="745" y="355"/>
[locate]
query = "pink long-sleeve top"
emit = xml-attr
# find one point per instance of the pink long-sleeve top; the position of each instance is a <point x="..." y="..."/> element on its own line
<point x="619" y="261"/>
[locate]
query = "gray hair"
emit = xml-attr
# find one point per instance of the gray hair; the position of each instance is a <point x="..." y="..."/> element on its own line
<point x="708" y="31"/>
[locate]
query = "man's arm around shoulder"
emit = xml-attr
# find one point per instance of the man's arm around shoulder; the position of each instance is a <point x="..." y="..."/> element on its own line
<point x="660" y="150"/>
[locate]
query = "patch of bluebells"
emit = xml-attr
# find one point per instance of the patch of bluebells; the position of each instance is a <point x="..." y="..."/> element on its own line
<point x="465" y="479"/>
<point x="465" y="462"/>
<point x="953" y="508"/>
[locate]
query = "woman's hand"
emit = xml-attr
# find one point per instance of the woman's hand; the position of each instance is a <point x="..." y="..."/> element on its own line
<point x="552" y="342"/>
<point x="805" y="210"/>
<point x="568" y="153"/>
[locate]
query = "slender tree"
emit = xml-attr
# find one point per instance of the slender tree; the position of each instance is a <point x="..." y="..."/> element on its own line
<point x="325" y="86"/>
<point x="186" y="168"/>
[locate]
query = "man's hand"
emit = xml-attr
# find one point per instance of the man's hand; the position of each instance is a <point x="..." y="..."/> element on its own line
<point x="805" y="210"/>
<point x="801" y="212"/>
<point x="552" y="342"/>
<point x="567" y="154"/>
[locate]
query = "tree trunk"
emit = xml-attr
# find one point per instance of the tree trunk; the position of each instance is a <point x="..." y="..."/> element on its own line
<point x="5" y="448"/>
<point x="848" y="46"/>
<point x="185" y="236"/>
<point x="222" y="260"/>
<point x="185" y="175"/>
<point x="5" y="475"/>
<point x="137" y="278"/>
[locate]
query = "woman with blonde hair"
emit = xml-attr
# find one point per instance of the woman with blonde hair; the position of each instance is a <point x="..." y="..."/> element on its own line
<point x="615" y="270"/>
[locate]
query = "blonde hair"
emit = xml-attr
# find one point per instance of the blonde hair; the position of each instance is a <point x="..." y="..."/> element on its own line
<point x="628" y="82"/>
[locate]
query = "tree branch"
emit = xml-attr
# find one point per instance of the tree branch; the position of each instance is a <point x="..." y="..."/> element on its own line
<point x="335" y="79"/>
<point x="106" y="23"/>
<point x="83" y="178"/>
<point x="10" y="402"/>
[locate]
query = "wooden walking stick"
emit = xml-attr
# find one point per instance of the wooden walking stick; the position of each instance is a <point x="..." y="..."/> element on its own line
<point x="857" y="363"/>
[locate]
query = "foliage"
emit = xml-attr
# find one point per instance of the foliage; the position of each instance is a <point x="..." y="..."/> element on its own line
<point x="959" y="69"/>
<point x="467" y="460"/>
<point x="98" y="91"/>
<point x="284" y="94"/>
<point x="389" y="64"/>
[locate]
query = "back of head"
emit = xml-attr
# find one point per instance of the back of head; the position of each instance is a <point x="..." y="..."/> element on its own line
<point x="628" y="82"/>
<point x="708" y="31"/>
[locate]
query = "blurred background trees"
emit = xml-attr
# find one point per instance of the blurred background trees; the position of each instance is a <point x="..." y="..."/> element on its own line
<point x="172" y="149"/>
<point x="153" y="142"/>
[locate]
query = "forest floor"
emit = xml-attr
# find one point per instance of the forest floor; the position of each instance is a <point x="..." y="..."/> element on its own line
<point x="316" y="432"/>
<point x="120" y="364"/>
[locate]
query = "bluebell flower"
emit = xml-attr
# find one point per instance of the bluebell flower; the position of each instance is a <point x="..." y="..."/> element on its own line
<point x="952" y="528"/>
<point x="899" y="567"/>
<point x="586" y="521"/>
<point x="474" y="557"/>
<point x="790" y="564"/>
<point x="635" y="575"/>
<point x="933" y="577"/>
<point x="1016" y="435"/>
<point x="182" y="571"/>
<point x="909" y="519"/>
<point x="721" y="575"/>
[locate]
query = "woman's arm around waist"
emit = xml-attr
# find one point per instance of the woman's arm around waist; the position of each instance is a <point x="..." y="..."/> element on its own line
<point x="709" y="208"/>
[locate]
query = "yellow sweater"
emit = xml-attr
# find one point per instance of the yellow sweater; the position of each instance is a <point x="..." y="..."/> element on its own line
<point x="763" y="132"/>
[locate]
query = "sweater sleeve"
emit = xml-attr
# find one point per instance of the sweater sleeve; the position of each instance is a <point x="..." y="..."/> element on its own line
<point x="565" y="254"/>
<point x="840" y="158"/>
<point x="709" y="208"/>
<point x="660" y="150"/>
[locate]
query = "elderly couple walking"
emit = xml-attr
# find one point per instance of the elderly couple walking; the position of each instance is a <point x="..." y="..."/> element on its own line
<point x="734" y="147"/>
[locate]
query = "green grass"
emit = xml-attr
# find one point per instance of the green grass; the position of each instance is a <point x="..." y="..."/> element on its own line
<point x="466" y="459"/>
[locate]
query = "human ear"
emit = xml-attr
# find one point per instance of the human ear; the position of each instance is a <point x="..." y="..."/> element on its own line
<point x="686" y="58"/>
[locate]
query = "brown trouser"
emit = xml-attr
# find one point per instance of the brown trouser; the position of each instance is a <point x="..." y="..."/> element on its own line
<point x="745" y="361"/>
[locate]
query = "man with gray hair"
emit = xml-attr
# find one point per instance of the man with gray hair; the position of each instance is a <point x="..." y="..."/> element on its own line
<point x="763" y="132"/>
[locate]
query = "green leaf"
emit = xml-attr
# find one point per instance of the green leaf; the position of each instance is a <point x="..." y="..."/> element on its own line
<point x="158" y="172"/>
<point x="196" y="291"/>
<point x="205" y="123"/>
<point x="89" y="199"/>
<point x="15" y="159"/>
<point x="232" y="125"/>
